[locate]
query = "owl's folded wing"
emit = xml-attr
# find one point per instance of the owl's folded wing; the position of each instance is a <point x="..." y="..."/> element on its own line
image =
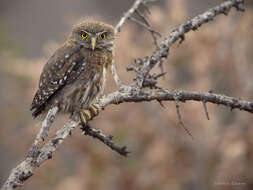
<point x="62" y="68"/>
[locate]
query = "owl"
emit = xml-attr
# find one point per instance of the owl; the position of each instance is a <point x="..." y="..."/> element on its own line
<point x="74" y="77"/>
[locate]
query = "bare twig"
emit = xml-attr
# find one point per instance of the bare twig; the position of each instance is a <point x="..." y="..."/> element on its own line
<point x="180" y="118"/>
<point x="119" y="84"/>
<point x="206" y="112"/>
<point x="144" y="23"/>
<point x="142" y="16"/>
<point x="97" y="134"/>
<point x="122" y="21"/>
<point x="128" y="14"/>
<point x="154" y="33"/>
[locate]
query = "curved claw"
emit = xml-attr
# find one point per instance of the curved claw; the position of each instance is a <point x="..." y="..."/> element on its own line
<point x="85" y="116"/>
<point x="94" y="109"/>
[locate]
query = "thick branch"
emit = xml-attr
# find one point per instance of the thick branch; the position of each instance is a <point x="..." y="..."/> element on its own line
<point x="140" y="95"/>
<point x="46" y="124"/>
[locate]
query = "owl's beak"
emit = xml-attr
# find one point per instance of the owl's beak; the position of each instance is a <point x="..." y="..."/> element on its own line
<point x="93" y="43"/>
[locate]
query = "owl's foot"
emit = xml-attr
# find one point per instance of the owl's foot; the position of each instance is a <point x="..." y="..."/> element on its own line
<point x="85" y="116"/>
<point x="94" y="109"/>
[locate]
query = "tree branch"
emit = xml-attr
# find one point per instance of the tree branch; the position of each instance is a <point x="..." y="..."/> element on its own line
<point x="128" y="14"/>
<point x="162" y="50"/>
<point x="107" y="140"/>
<point x="46" y="124"/>
<point x="136" y="92"/>
<point x="140" y="95"/>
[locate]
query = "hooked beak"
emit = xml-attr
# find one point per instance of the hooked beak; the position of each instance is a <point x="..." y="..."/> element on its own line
<point x="93" y="43"/>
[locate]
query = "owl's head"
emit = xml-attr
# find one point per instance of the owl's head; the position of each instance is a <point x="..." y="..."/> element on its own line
<point x="93" y="35"/>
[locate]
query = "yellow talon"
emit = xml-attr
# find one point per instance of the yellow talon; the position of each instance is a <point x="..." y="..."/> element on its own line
<point x="83" y="119"/>
<point x="94" y="109"/>
<point x="85" y="116"/>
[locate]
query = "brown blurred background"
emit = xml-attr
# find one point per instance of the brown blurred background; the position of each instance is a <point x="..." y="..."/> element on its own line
<point x="217" y="57"/>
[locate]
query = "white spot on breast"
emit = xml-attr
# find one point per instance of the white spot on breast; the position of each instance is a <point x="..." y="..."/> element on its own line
<point x="66" y="56"/>
<point x="44" y="93"/>
<point x="54" y="82"/>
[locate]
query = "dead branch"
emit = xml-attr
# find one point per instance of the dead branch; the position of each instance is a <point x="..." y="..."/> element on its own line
<point x="107" y="140"/>
<point x="46" y="124"/>
<point x="179" y="34"/>
<point x="143" y="89"/>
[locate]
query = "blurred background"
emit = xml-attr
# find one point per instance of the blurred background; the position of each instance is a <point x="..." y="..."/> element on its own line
<point x="217" y="57"/>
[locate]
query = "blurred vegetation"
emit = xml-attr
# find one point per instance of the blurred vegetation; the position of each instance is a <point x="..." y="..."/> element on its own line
<point x="7" y="43"/>
<point x="217" y="57"/>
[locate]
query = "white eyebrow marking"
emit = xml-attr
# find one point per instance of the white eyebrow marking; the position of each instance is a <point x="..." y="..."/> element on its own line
<point x="86" y="32"/>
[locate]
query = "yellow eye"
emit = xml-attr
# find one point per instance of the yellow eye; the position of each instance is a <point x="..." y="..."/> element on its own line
<point x="84" y="35"/>
<point x="103" y="36"/>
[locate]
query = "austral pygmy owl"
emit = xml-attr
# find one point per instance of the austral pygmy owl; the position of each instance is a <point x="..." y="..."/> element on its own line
<point x="74" y="77"/>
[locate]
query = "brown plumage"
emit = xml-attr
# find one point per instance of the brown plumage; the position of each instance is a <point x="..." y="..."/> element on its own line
<point x="74" y="77"/>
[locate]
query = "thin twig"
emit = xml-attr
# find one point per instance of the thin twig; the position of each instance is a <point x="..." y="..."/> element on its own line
<point x="205" y="108"/>
<point x="127" y="15"/>
<point x="152" y="31"/>
<point x="180" y="117"/>
<point x="97" y="134"/>
<point x="144" y="23"/>
<point x="116" y="76"/>
<point x="122" y="21"/>
<point x="142" y="16"/>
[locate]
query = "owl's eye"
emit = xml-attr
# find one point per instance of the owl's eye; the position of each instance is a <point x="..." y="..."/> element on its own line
<point x="103" y="36"/>
<point x="84" y="35"/>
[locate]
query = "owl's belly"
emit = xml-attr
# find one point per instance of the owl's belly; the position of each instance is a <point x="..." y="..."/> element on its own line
<point x="81" y="94"/>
